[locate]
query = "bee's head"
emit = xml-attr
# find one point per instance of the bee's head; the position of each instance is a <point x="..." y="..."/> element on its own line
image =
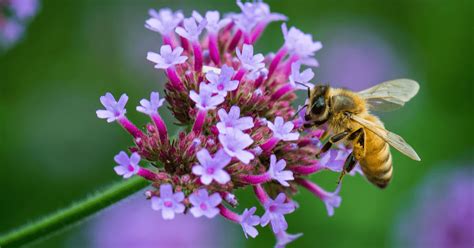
<point x="318" y="106"/>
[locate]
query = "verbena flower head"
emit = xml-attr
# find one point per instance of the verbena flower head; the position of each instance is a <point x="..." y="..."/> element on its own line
<point x="14" y="17"/>
<point x="236" y="107"/>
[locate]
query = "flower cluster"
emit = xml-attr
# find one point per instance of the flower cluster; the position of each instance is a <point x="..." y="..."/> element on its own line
<point x="236" y="107"/>
<point x="14" y="15"/>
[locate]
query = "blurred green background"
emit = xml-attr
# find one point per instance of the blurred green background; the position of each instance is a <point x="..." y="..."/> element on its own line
<point x="55" y="151"/>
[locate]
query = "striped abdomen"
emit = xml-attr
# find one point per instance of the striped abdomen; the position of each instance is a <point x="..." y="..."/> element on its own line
<point x="377" y="162"/>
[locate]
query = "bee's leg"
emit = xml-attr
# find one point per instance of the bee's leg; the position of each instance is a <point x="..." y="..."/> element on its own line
<point x="348" y="166"/>
<point x="331" y="141"/>
<point x="357" y="153"/>
<point x="358" y="145"/>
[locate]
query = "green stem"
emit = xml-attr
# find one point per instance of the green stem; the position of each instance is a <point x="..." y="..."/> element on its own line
<point x="73" y="214"/>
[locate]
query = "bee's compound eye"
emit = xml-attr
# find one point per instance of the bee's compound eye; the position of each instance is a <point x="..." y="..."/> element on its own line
<point x="318" y="106"/>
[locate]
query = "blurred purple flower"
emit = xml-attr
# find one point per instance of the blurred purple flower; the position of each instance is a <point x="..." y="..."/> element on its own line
<point x="14" y="16"/>
<point x="357" y="57"/>
<point x="131" y="223"/>
<point x="442" y="213"/>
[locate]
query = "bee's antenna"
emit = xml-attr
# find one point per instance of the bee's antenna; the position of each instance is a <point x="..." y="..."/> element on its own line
<point x="308" y="89"/>
<point x="299" y="110"/>
<point x="303" y="85"/>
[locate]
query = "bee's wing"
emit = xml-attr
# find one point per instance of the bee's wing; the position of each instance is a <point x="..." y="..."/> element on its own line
<point x="390" y="95"/>
<point x="393" y="139"/>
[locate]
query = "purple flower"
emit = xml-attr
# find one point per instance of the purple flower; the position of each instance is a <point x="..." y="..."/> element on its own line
<point x="334" y="160"/>
<point x="150" y="107"/>
<point x="167" y="57"/>
<point x="191" y="30"/>
<point x="210" y="168"/>
<point x="300" y="77"/>
<point x="441" y="211"/>
<point x="113" y="109"/>
<point x="205" y="100"/>
<point x="164" y="21"/>
<point x="277" y="173"/>
<point x="259" y="11"/>
<point x="284" y="238"/>
<point x="282" y="130"/>
<point x="301" y="44"/>
<point x="132" y="223"/>
<point x="275" y="211"/>
<point x="253" y="13"/>
<point x="249" y="61"/>
<point x="127" y="166"/>
<point x="169" y="203"/>
<point x="213" y="23"/>
<point x="248" y="220"/>
<point x="331" y="199"/>
<point x="24" y="8"/>
<point x="233" y="120"/>
<point x="203" y="204"/>
<point x="234" y="143"/>
<point x="222" y="83"/>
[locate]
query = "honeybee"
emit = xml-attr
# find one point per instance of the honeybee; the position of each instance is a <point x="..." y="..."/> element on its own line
<point x="348" y="118"/>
